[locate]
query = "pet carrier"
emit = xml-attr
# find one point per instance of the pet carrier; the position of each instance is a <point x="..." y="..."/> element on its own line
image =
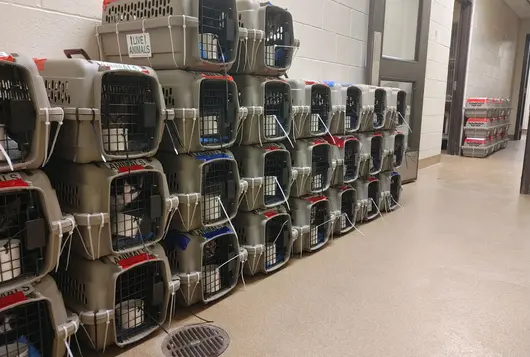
<point x="25" y="115"/>
<point x="388" y="155"/>
<point x="480" y="108"/>
<point x="397" y="107"/>
<point x="347" y="155"/>
<point x="31" y="228"/>
<point x="119" y="299"/>
<point x="112" y="111"/>
<point x="206" y="110"/>
<point x="368" y="198"/>
<point x="312" y="218"/>
<point x="360" y="104"/>
<point x="35" y="322"/>
<point x="118" y="206"/>
<point x="209" y="257"/>
<point x="478" y="147"/>
<point x="384" y="110"/>
<point x="268" y="238"/>
<point x="267" y="45"/>
<point x="371" y="153"/>
<point x="269" y="175"/>
<point x="313" y="160"/>
<point x="272" y="117"/>
<point x="343" y="204"/>
<point x="338" y="123"/>
<point x="391" y="188"/>
<point x="207" y="185"/>
<point x="315" y="120"/>
<point x="200" y="35"/>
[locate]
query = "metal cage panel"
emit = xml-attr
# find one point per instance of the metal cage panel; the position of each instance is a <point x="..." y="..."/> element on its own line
<point x="168" y="34"/>
<point x="112" y="111"/>
<point x="313" y="219"/>
<point x="343" y="205"/>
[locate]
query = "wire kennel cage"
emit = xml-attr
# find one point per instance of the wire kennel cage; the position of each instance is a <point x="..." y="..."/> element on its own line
<point x="207" y="112"/>
<point x="391" y="189"/>
<point x="347" y="155"/>
<point x="118" y="206"/>
<point x="313" y="219"/>
<point x="372" y="146"/>
<point x="313" y="161"/>
<point x="314" y="108"/>
<point x="119" y="299"/>
<point x="270" y="110"/>
<point x="35" y="322"/>
<point x="207" y="261"/>
<point x="212" y="197"/>
<point x="27" y="122"/>
<point x="112" y="111"/>
<point x="368" y="199"/>
<point x="169" y="34"/>
<point x="267" y="44"/>
<point x="269" y="175"/>
<point x="343" y="205"/>
<point x="268" y="237"/>
<point x="31" y="228"/>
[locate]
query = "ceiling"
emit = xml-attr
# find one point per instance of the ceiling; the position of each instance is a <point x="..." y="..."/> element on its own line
<point x="520" y="7"/>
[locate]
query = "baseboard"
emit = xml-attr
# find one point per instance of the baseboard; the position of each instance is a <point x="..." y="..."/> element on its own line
<point x="429" y="161"/>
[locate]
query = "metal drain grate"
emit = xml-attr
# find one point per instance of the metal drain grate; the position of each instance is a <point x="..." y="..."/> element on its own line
<point x="199" y="340"/>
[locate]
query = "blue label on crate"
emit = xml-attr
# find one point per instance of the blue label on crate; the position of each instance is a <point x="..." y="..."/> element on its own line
<point x="395" y="173"/>
<point x="212" y="155"/>
<point x="176" y="239"/>
<point x="213" y="232"/>
<point x="329" y="83"/>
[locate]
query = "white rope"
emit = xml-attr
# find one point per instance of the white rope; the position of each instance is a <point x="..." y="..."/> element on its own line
<point x="47" y="125"/>
<point x="192" y="131"/>
<point x="171" y="38"/>
<point x="172" y="303"/>
<point x="378" y="211"/>
<point x="107" y="323"/>
<point x="254" y="266"/>
<point x="98" y="40"/>
<point x="56" y="136"/>
<point x="327" y="129"/>
<point x="405" y="121"/>
<point x="353" y="224"/>
<point x="148" y="57"/>
<point x="227" y="216"/>
<point x="283" y="193"/>
<point x="88" y="335"/>
<point x="396" y="202"/>
<point x="118" y="42"/>
<point x="67" y="343"/>
<point x="100" y="230"/>
<point x="284" y="132"/>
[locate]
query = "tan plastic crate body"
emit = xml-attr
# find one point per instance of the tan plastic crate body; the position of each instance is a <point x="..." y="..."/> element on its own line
<point x="372" y="147"/>
<point x="347" y="155"/>
<point x="390" y="190"/>
<point x="343" y="205"/>
<point x="112" y="111"/>
<point x="368" y="198"/>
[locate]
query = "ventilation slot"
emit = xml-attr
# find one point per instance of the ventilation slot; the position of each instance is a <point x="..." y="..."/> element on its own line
<point x="146" y="9"/>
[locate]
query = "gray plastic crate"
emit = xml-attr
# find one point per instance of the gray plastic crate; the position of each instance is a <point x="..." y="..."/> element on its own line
<point x="368" y="198"/>
<point x="200" y="35"/>
<point x="207" y="185"/>
<point x="360" y="106"/>
<point x="390" y="190"/>
<point x="397" y="106"/>
<point x="207" y="261"/>
<point x="268" y="101"/>
<point x="269" y="175"/>
<point x="118" y="206"/>
<point x="119" y="299"/>
<point x="372" y="146"/>
<point x="393" y="150"/>
<point x="343" y="204"/>
<point x="312" y="218"/>
<point x="112" y="111"/>
<point x="313" y="160"/>
<point x="32" y="229"/>
<point x="347" y="155"/>
<point x="29" y="127"/>
<point x="338" y="125"/>
<point x="314" y="108"/>
<point x="473" y="131"/>
<point x="478" y="151"/>
<point x="268" y="237"/>
<point x="267" y="44"/>
<point x="35" y="321"/>
<point x="480" y="107"/>
<point x="384" y="108"/>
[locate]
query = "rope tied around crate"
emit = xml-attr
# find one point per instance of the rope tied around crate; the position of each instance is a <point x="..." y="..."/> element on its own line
<point x="284" y="132"/>
<point x="378" y="210"/>
<point x="143" y="32"/>
<point x="66" y="241"/>
<point x="107" y="323"/>
<point x="353" y="224"/>
<point x="286" y="200"/>
<point x="188" y="204"/>
<point x="67" y="342"/>
<point x="188" y="298"/>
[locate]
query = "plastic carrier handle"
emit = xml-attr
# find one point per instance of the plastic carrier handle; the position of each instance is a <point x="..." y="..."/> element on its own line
<point x="76" y="52"/>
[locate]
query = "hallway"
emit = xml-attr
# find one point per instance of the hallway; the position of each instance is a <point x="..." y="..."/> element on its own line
<point x="448" y="275"/>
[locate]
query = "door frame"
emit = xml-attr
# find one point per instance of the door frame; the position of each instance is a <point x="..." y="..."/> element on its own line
<point x="522" y="90"/>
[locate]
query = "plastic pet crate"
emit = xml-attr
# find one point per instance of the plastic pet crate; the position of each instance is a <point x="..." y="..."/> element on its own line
<point x="314" y="108"/>
<point x="118" y="206"/>
<point x="207" y="112"/>
<point x="384" y="110"/>
<point x="388" y="154"/>
<point x="119" y="299"/>
<point x="268" y="237"/>
<point x="27" y="136"/>
<point x="31" y="228"/>
<point x="338" y="124"/>
<point x="478" y="147"/>
<point x="480" y="108"/>
<point x="267" y="45"/>
<point x="473" y="130"/>
<point x="360" y="106"/>
<point x="167" y="34"/>
<point x="112" y="111"/>
<point x="368" y="198"/>
<point x="313" y="160"/>
<point x="312" y="218"/>
<point x="269" y="175"/>
<point x="390" y="190"/>
<point x="343" y="204"/>
<point x="347" y="155"/>
<point x="35" y="322"/>
<point x="372" y="146"/>
<point x="270" y="110"/>
<point x="207" y="261"/>
<point x="207" y="185"/>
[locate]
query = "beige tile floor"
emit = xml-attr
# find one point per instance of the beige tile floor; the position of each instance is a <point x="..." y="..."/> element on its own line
<point x="448" y="275"/>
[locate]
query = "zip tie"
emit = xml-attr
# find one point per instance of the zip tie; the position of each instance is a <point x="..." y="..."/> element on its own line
<point x="184" y="38"/>
<point x="354" y="227"/>
<point x="171" y="39"/>
<point x="118" y="42"/>
<point x="243" y="276"/>
<point x="327" y="129"/>
<point x="59" y="248"/>
<point x="98" y="40"/>
<point x="143" y="31"/>
<point x="107" y="323"/>
<point x="283" y="193"/>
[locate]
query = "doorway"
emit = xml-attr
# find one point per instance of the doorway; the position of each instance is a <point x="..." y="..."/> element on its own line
<point x="522" y="112"/>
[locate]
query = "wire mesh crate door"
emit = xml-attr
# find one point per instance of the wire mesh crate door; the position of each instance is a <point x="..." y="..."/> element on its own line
<point x="216" y="117"/>
<point x="320" y="167"/>
<point x="347" y="209"/>
<point x="26" y="330"/>
<point x="218" y="188"/>
<point x="139" y="300"/>
<point x="128" y="114"/>
<point x="219" y="266"/>
<point x="351" y="156"/>
<point x="278" y="32"/>
<point x="320" y="104"/>
<point x="276" y="110"/>
<point x="277" y="231"/>
<point x="373" y="198"/>
<point x="399" y="150"/>
<point x="276" y="176"/>
<point x="353" y="108"/>
<point x="319" y="224"/>
<point x="376" y="153"/>
<point x="216" y="30"/>
<point x="395" y="189"/>
<point x="380" y="108"/>
<point x="18" y="116"/>
<point x="23" y="234"/>
<point x="135" y="209"/>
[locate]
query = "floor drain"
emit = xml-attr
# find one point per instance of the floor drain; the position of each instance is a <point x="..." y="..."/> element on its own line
<point x="199" y="340"/>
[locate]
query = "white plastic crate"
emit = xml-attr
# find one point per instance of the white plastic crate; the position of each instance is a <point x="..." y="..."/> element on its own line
<point x="372" y="146"/>
<point x="368" y="198"/>
<point x="343" y="204"/>
<point x="480" y="107"/>
<point x="391" y="189"/>
<point x="347" y="155"/>
<point x="313" y="219"/>
<point x="384" y="109"/>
